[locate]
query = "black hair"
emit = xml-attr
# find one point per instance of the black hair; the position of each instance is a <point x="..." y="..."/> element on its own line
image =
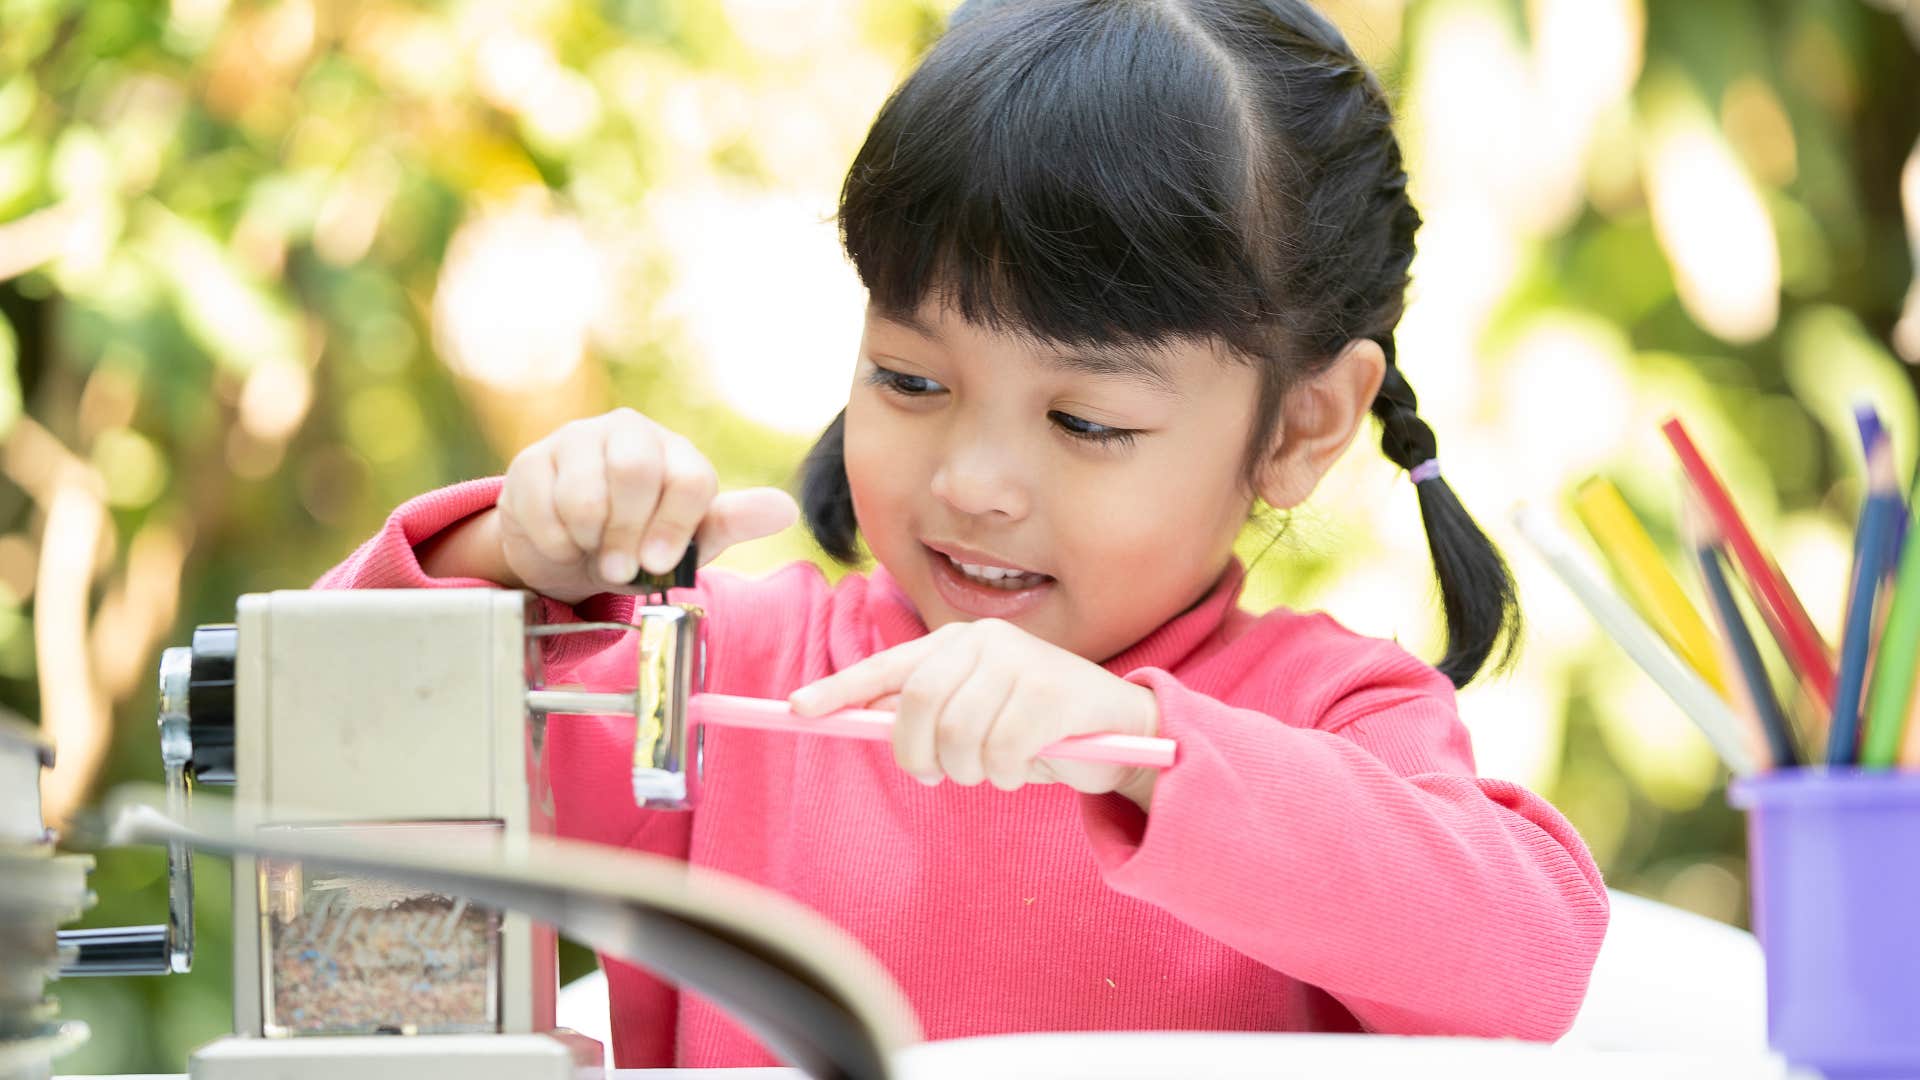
<point x="1139" y="172"/>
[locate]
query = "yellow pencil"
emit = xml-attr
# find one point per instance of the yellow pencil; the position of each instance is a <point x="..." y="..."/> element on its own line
<point x="1647" y="580"/>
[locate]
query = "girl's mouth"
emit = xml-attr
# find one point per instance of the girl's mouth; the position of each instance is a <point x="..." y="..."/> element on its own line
<point x="985" y="591"/>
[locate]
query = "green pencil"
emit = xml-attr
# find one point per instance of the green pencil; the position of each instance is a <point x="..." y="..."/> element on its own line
<point x="1893" y="668"/>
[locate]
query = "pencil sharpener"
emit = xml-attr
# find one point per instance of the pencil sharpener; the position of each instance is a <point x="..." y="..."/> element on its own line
<point x="408" y="714"/>
<point x="370" y="712"/>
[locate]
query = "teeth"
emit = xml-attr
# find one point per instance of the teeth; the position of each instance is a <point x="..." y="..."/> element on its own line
<point x="991" y="573"/>
<point x="998" y="576"/>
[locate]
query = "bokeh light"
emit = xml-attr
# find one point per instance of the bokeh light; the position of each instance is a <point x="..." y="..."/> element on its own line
<point x="519" y="292"/>
<point x="1713" y="225"/>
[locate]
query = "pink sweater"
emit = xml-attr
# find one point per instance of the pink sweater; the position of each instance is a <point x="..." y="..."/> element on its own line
<point x="1321" y="857"/>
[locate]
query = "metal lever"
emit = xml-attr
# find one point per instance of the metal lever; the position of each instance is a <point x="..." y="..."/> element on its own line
<point x="157" y="949"/>
<point x="116" y="950"/>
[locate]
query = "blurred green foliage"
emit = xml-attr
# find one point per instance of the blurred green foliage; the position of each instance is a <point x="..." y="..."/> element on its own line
<point x="221" y="231"/>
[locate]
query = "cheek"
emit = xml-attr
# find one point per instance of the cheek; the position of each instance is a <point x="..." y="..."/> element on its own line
<point x="879" y="468"/>
<point x="1161" y="521"/>
<point x="1135" y="530"/>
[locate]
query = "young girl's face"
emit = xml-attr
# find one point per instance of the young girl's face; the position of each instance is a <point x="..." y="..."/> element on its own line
<point x="1102" y="487"/>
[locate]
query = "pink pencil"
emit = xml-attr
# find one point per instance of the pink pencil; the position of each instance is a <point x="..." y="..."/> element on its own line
<point x="873" y="725"/>
<point x="876" y="725"/>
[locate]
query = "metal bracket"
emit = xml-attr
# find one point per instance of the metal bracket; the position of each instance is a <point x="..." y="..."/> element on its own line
<point x="163" y="948"/>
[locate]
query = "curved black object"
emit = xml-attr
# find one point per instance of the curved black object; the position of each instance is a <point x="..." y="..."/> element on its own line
<point x="210" y="702"/>
<point x="779" y="998"/>
<point x="680" y="578"/>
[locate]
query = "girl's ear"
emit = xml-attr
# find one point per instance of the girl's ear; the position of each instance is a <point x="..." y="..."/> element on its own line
<point x="1319" y="418"/>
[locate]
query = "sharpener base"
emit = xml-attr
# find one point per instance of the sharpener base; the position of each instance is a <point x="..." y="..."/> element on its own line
<point x="560" y="1056"/>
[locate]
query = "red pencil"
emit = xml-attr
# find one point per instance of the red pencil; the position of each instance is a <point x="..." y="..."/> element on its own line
<point x="1780" y="608"/>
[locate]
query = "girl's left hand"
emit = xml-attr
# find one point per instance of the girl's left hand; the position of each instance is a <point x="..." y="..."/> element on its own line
<point x="979" y="700"/>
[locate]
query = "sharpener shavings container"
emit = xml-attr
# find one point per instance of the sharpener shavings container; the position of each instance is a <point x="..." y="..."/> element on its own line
<point x="352" y="955"/>
<point x="1834" y="858"/>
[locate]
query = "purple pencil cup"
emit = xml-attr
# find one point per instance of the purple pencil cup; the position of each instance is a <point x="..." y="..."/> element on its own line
<point x="1834" y="857"/>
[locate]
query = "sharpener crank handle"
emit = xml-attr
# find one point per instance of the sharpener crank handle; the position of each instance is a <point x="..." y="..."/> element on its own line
<point x="164" y="948"/>
<point x="116" y="950"/>
<point x="176" y="755"/>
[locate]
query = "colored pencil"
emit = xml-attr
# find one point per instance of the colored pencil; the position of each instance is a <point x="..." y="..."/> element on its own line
<point x="1780" y="608"/>
<point x="1910" y="746"/>
<point x="1767" y="715"/>
<point x="1868" y="419"/>
<point x="1877" y="518"/>
<point x="1890" y="699"/>
<point x="1871" y="429"/>
<point x="1691" y="693"/>
<point x="1640" y="568"/>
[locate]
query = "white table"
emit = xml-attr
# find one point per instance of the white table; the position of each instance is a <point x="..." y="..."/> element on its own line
<point x="1250" y="1055"/>
<point x="1155" y="1055"/>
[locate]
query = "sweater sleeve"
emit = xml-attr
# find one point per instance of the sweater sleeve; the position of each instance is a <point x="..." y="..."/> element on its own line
<point x="1360" y="855"/>
<point x="390" y="560"/>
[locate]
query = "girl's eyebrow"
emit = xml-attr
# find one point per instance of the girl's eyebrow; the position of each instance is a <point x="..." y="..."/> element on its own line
<point x="1128" y="362"/>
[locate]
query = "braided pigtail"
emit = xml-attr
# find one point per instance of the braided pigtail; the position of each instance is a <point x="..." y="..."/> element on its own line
<point x="1476" y="588"/>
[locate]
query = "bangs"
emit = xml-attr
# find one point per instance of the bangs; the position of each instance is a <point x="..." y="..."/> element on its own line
<point x="1070" y="171"/>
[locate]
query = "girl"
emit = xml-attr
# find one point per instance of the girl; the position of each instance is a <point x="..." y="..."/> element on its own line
<point x="1133" y="266"/>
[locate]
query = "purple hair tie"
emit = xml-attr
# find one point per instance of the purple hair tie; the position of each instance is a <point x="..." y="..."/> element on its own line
<point x="1426" y="470"/>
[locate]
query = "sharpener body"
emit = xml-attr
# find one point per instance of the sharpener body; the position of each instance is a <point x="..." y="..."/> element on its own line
<point x="402" y="712"/>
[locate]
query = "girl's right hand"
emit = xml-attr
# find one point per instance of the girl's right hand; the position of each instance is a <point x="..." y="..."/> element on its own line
<point x="586" y="508"/>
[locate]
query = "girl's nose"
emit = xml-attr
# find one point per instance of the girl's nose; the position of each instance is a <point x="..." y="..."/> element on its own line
<point x="980" y="479"/>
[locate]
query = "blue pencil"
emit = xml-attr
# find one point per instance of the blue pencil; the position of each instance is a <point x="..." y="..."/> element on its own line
<point x="1874" y="542"/>
<point x="1865" y="415"/>
<point x="1746" y="652"/>
<point x="1871" y="431"/>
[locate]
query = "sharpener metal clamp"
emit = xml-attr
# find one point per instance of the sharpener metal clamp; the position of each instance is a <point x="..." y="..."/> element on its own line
<point x="670" y="666"/>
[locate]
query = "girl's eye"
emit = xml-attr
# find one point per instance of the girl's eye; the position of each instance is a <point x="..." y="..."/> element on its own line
<point x="1088" y="431"/>
<point x="901" y="383"/>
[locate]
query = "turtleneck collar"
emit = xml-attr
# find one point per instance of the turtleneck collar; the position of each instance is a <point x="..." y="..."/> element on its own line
<point x="894" y="620"/>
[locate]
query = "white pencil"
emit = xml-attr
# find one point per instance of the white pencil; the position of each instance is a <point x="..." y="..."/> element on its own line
<point x="1687" y="689"/>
